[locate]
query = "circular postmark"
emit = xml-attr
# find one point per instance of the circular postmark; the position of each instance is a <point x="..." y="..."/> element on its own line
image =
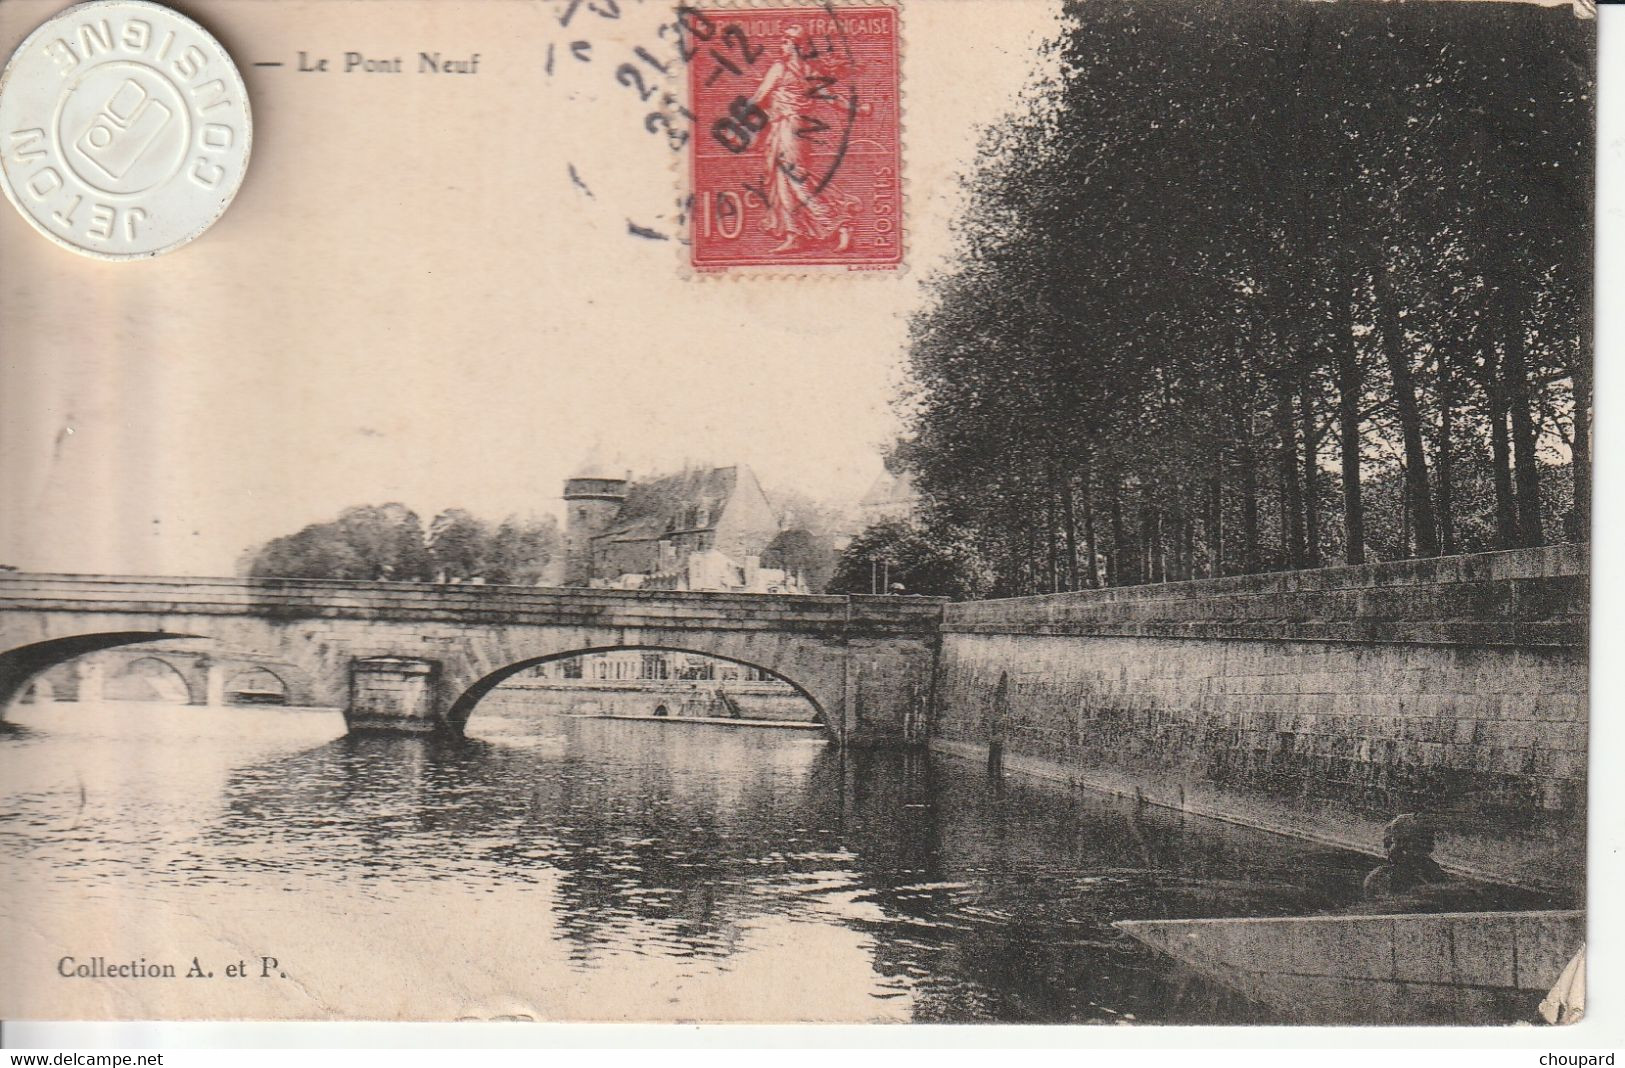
<point x="124" y="129"/>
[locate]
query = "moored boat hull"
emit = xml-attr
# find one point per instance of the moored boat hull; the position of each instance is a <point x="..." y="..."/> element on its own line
<point x="1428" y="968"/>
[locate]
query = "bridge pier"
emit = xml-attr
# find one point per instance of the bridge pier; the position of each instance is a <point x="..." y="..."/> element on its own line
<point x="214" y="684"/>
<point x="92" y="681"/>
<point x="394" y="693"/>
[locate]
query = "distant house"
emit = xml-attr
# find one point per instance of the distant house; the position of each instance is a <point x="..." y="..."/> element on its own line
<point x="890" y="497"/>
<point x="699" y="529"/>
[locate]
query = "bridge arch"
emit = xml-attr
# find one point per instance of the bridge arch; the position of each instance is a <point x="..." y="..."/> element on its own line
<point x="462" y="706"/>
<point x="18" y="666"/>
<point x="151" y="678"/>
<point x="261" y="682"/>
<point x="189" y="655"/>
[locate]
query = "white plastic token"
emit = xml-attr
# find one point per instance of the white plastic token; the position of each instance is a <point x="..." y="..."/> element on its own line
<point x="124" y="129"/>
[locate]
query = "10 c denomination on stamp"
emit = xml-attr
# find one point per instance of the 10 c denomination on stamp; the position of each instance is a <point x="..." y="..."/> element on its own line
<point x="796" y="158"/>
<point x="124" y="129"/>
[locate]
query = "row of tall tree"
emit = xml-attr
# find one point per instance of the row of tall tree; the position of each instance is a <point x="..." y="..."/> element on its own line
<point x="390" y="542"/>
<point x="1267" y="284"/>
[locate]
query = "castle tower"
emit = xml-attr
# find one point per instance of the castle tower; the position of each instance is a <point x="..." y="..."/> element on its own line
<point x="592" y="500"/>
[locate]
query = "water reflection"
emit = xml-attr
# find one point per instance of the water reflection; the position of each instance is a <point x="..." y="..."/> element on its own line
<point x="679" y="865"/>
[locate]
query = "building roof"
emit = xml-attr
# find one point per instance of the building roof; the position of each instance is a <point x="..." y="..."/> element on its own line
<point x="889" y="489"/>
<point x="691" y="500"/>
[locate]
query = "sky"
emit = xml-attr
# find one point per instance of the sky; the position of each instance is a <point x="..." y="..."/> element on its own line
<point x="427" y="292"/>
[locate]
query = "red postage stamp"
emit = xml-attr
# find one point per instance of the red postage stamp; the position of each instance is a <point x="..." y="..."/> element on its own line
<point x="797" y="146"/>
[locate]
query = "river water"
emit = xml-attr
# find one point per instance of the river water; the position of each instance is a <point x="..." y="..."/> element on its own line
<point x="567" y="868"/>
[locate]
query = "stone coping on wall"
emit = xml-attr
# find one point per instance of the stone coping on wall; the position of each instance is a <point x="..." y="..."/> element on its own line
<point x="1525" y="597"/>
<point x="1561" y="635"/>
<point x="1547" y="561"/>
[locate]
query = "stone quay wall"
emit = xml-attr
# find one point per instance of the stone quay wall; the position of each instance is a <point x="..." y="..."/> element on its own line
<point x="644" y="697"/>
<point x="1315" y="703"/>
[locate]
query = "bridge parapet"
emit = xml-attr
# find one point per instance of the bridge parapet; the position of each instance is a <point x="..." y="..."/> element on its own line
<point x="470" y="604"/>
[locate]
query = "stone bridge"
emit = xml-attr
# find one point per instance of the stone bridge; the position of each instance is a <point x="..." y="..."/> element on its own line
<point x="417" y="657"/>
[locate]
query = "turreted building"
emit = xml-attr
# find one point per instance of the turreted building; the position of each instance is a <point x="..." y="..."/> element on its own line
<point x="700" y="529"/>
<point x="592" y="499"/>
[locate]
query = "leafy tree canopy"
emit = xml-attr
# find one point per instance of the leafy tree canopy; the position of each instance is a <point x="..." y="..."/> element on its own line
<point x="898" y="552"/>
<point x="388" y="542"/>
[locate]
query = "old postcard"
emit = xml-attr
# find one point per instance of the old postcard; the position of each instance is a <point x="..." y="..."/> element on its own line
<point x="1011" y="511"/>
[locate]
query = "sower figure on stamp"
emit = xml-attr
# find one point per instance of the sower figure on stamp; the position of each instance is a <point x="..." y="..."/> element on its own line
<point x="799" y="205"/>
